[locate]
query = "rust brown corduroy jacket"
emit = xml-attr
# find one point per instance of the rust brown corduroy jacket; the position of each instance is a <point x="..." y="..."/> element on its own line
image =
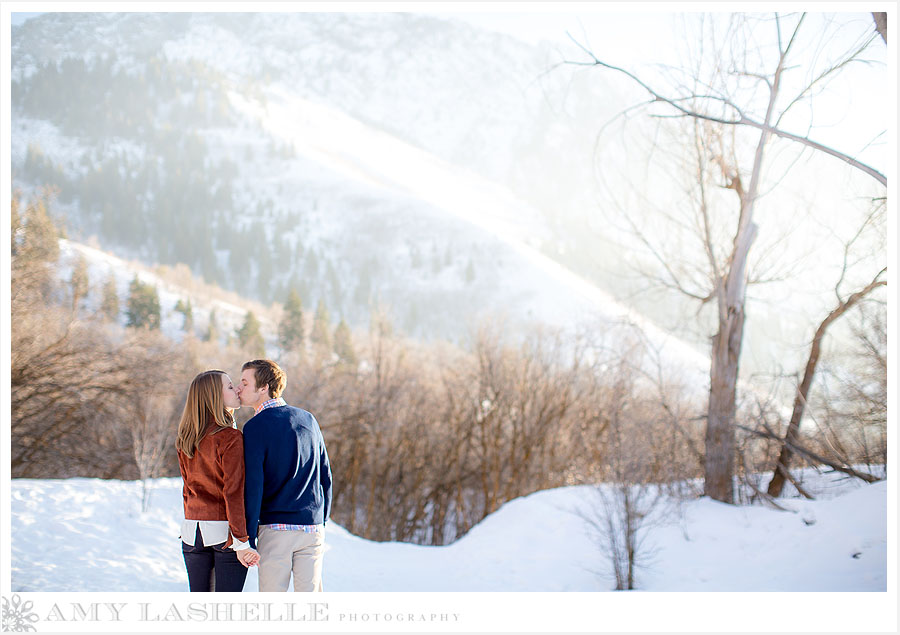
<point x="214" y="480"/>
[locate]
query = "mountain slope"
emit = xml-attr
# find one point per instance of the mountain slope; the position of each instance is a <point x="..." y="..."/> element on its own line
<point x="395" y="160"/>
<point x="206" y="196"/>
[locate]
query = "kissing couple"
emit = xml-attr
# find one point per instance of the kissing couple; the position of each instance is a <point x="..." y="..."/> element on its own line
<point x="257" y="497"/>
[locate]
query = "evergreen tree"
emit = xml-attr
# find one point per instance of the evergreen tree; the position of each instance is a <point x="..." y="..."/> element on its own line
<point x="187" y="311"/>
<point x="212" y="330"/>
<point x="109" y="307"/>
<point x="321" y="330"/>
<point x="79" y="281"/>
<point x="470" y="272"/>
<point x="343" y="344"/>
<point x="41" y="240"/>
<point x="143" y="305"/>
<point x="34" y="248"/>
<point x="250" y="337"/>
<point x="290" y="330"/>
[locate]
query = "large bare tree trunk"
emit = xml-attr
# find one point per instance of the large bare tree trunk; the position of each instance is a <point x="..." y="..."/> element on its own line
<point x="776" y="485"/>
<point x="726" y="354"/>
<point x="731" y="293"/>
<point x="720" y="428"/>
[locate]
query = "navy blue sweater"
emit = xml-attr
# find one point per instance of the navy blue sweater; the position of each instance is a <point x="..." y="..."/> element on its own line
<point x="288" y="477"/>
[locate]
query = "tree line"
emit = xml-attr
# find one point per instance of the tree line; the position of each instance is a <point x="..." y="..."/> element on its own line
<point x="425" y="439"/>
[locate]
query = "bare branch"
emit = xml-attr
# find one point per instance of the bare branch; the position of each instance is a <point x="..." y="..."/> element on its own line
<point x="795" y="447"/>
<point x="768" y="500"/>
<point x="851" y="57"/>
<point x="847" y="247"/>
<point x="742" y="119"/>
<point x="674" y="282"/>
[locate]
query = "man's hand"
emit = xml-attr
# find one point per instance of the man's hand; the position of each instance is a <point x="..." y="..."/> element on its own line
<point x="248" y="557"/>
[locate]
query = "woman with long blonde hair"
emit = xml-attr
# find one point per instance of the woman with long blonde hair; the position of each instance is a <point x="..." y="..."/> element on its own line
<point x="214" y="538"/>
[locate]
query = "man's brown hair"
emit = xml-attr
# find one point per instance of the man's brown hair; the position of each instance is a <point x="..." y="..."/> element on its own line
<point x="265" y="371"/>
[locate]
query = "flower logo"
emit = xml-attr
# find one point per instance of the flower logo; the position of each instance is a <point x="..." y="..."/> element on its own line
<point x="17" y="615"/>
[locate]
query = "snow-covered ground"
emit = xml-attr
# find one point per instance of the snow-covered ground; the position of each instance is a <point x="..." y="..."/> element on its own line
<point x="102" y="541"/>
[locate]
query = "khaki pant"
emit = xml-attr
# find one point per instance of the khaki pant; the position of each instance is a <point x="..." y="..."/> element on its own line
<point x="284" y="552"/>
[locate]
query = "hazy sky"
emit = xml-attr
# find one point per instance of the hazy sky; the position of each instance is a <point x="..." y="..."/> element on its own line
<point x="850" y="115"/>
<point x="605" y="29"/>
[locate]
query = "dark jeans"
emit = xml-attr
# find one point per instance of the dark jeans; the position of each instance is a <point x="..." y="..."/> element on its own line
<point x="202" y="563"/>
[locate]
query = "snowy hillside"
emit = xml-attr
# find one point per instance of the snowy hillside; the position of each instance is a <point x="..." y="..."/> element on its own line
<point x="567" y="301"/>
<point x="102" y="265"/>
<point x="389" y="185"/>
<point x="409" y="162"/>
<point x="186" y="175"/>
<point x="103" y="542"/>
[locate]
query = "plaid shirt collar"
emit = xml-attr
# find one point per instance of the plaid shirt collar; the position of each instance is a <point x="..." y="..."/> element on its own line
<point x="271" y="403"/>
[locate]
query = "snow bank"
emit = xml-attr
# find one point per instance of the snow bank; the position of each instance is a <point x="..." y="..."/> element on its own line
<point x="90" y="535"/>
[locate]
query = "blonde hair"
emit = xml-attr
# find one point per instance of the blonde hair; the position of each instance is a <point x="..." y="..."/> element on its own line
<point x="204" y="402"/>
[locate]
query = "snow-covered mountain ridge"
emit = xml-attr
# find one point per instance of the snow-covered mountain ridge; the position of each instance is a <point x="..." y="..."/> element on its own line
<point x="374" y="69"/>
<point x="397" y="160"/>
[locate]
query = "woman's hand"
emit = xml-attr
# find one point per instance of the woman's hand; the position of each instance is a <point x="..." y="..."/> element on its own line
<point x="248" y="557"/>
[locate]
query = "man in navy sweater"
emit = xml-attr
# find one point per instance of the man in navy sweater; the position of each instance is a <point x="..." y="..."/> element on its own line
<point x="288" y="482"/>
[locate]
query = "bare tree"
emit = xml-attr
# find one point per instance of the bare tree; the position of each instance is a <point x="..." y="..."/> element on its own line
<point x="633" y="497"/>
<point x="712" y="97"/>
<point x="790" y="440"/>
<point x="853" y="413"/>
<point x="873" y="223"/>
<point x="63" y="371"/>
<point x="432" y="438"/>
<point x="866" y="391"/>
<point x="152" y="405"/>
<point x="719" y="107"/>
<point x="620" y="517"/>
<point x="848" y="409"/>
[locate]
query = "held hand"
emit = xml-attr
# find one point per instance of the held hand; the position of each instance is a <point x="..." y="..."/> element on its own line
<point x="243" y="557"/>
<point x="248" y="557"/>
